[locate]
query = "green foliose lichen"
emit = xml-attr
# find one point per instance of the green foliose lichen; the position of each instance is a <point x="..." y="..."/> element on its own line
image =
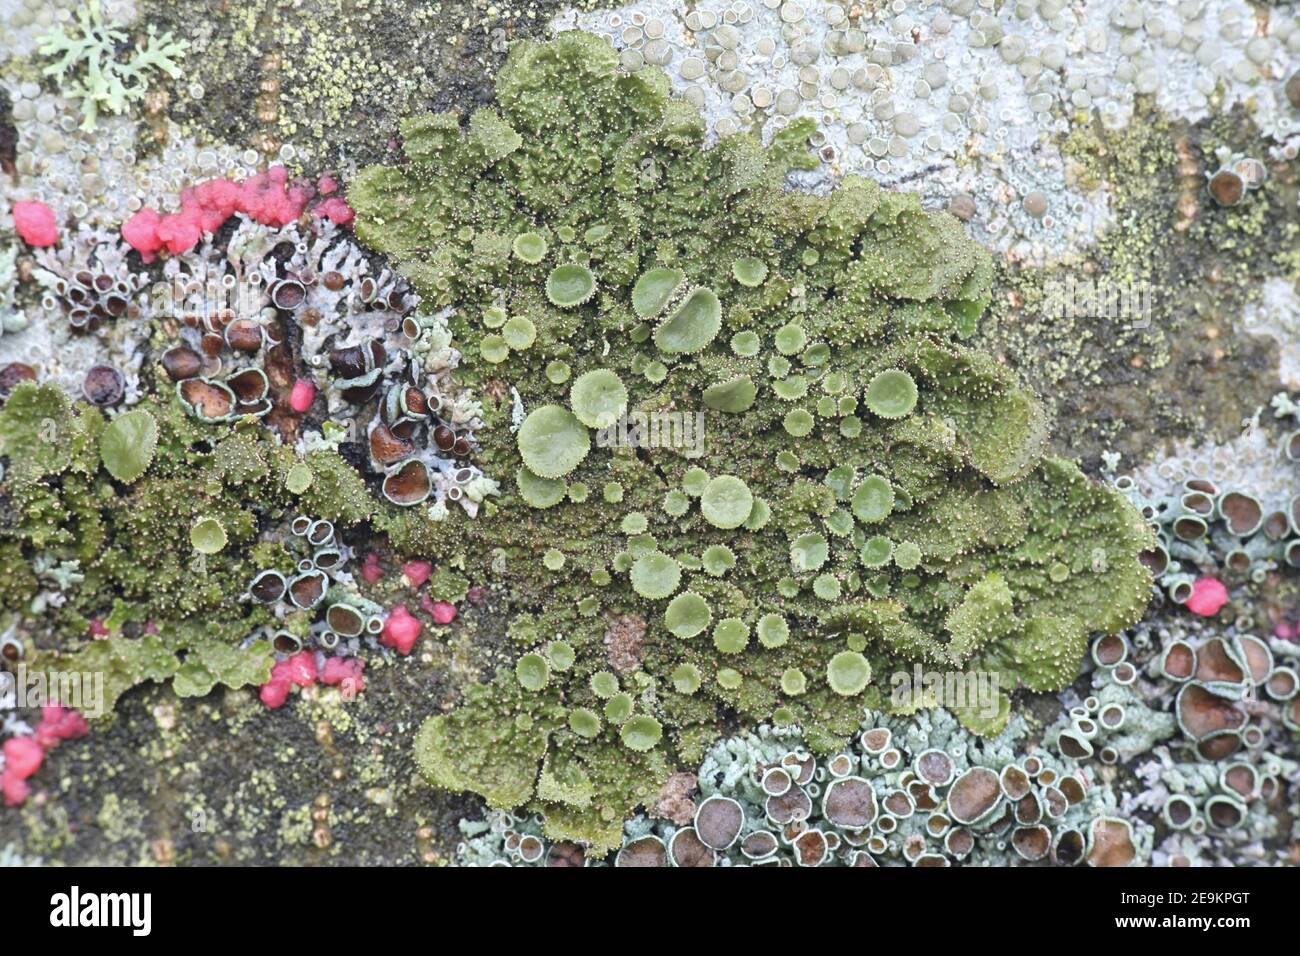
<point x="116" y="505"/>
<point x="914" y="521"/>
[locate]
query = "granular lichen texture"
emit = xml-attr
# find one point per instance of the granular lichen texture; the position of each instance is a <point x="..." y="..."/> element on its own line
<point x="863" y="490"/>
<point x="671" y="433"/>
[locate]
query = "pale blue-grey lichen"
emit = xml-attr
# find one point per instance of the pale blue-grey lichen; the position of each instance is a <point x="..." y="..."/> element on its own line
<point x="1122" y="777"/>
<point x="12" y="319"/>
<point x="87" y="67"/>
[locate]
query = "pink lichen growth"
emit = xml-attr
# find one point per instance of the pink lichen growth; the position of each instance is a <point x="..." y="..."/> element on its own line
<point x="141" y="233"/>
<point x="35" y="224"/>
<point x="371" y="572"/>
<point x="267" y="198"/>
<point x="401" y="630"/>
<point x="339" y="670"/>
<point x="23" y="756"/>
<point x="336" y="210"/>
<point x="303" y="394"/>
<point x="213" y="202"/>
<point x="299" y="669"/>
<point x="16" y="789"/>
<point x="181" y="231"/>
<point x="1208" y="596"/>
<point x="274" y="693"/>
<point x="58" y="724"/>
<point x="97" y="628"/>
<point x="415" y="573"/>
<point x="444" y="612"/>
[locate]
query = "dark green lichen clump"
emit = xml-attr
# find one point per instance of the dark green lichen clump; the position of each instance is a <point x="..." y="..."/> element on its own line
<point x="866" y="493"/>
<point x="134" y="540"/>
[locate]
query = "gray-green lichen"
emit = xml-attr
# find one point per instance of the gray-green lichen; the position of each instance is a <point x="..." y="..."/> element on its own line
<point x="916" y="791"/>
<point x="87" y="68"/>
<point x="140" y="577"/>
<point x="12" y="319"/>
<point x="303" y="77"/>
<point x="1125" y="775"/>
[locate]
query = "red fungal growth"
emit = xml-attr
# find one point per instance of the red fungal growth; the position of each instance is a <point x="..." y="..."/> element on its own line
<point x="215" y="201"/>
<point x="266" y="198"/>
<point x="299" y="669"/>
<point x="371" y="572"/>
<point x="344" y="670"/>
<point x="58" y="724"/>
<point x="336" y="210"/>
<point x="97" y="628"/>
<point x="16" y="789"/>
<point x="442" y="612"/>
<point x="180" y="232"/>
<point x="1208" y="596"/>
<point x="141" y="233"/>
<point x="34" y="222"/>
<point x="274" y="693"/>
<point x="401" y="630"/>
<point x="415" y="573"/>
<point x="23" y="756"/>
<point x="303" y="394"/>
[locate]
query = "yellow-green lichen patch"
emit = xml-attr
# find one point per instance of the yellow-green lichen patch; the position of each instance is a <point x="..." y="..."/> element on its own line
<point x="552" y="441"/>
<point x="207" y="536"/>
<point x="749" y="271"/>
<point x="530" y="247"/>
<point x="807" y="457"/>
<point x="598" y="398"/>
<point x="159" y="515"/>
<point x="692" y="325"/>
<point x="687" y="615"/>
<point x="848" y="673"/>
<point x="654" y="290"/>
<point x="726" y="502"/>
<point x="891" y="394"/>
<point x="127" y="444"/>
<point x="655" y="575"/>
<point x="570" y="285"/>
